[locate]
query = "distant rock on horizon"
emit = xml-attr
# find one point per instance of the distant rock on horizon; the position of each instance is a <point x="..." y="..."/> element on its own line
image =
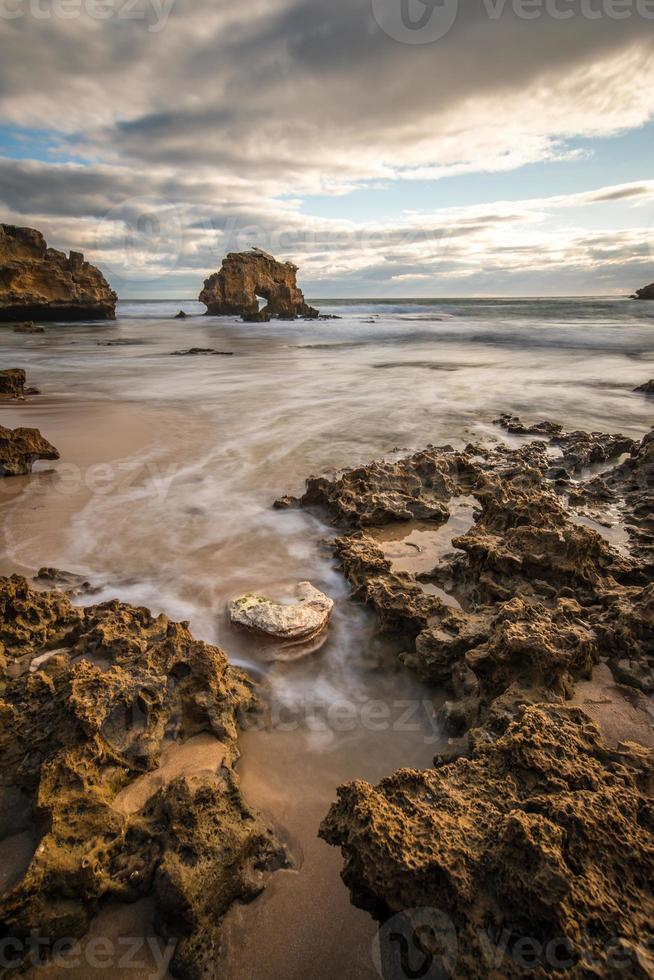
<point x="41" y="283"/>
<point x="245" y="276"/>
<point x="647" y="292"/>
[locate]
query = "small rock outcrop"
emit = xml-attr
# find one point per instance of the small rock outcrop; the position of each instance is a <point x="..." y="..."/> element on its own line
<point x="244" y="276"/>
<point x="295" y="623"/>
<point x="12" y="382"/>
<point x="201" y="352"/>
<point x="20" y="448"/>
<point x="41" y="283"/>
<point x="533" y="856"/>
<point x="647" y="388"/>
<point x="647" y="292"/>
<point x="28" y="327"/>
<point x="89" y="699"/>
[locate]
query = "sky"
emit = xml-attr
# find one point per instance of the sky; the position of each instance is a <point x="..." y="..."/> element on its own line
<point x="390" y="148"/>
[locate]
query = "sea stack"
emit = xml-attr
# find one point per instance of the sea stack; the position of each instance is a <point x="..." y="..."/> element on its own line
<point x="244" y="276"/>
<point x="647" y="292"/>
<point x="41" y="283"/>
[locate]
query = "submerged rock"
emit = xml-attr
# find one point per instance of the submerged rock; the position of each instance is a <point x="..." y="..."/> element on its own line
<point x="28" y="327"/>
<point x="299" y="622"/>
<point x="20" y="448"/>
<point x="244" y="276"/>
<point x="181" y="315"/>
<point x="647" y="292"/>
<point x="44" y="284"/>
<point x="12" y="382"/>
<point x="200" y="351"/>
<point x="88" y="699"/>
<point x="538" y="849"/>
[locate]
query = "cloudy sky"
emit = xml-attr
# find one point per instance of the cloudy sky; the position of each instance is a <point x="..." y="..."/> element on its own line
<point x="389" y="147"/>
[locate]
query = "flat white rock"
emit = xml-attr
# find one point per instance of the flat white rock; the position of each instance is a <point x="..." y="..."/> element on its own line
<point x="291" y="623"/>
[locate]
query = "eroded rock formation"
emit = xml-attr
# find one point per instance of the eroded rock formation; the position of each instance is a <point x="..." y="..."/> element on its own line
<point x="647" y="292"/>
<point x="89" y="697"/>
<point x="244" y="276"/>
<point x="20" y="448"/>
<point x="534" y="849"/>
<point x="539" y="849"/>
<point x="526" y="601"/>
<point x="41" y="283"/>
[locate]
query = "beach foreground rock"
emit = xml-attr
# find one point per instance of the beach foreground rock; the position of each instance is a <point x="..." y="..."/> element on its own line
<point x="525" y="602"/>
<point x="41" y="283"/>
<point x="89" y="697"/>
<point x="20" y="448"/>
<point x="298" y="622"/>
<point x="533" y="837"/>
<point x="537" y="851"/>
<point x="244" y="276"/>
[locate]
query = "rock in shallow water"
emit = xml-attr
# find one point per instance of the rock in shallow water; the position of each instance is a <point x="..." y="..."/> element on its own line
<point x="299" y="622"/>
<point x="44" y="284"/>
<point x="20" y="448"/>
<point x="28" y="327"/>
<point x="12" y="382"/>
<point x="245" y="276"/>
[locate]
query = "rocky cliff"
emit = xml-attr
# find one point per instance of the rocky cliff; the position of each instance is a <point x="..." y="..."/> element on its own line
<point x="244" y="276"/>
<point x="41" y="283"/>
<point x="647" y="292"/>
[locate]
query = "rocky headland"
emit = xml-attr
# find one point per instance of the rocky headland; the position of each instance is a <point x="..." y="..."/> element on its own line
<point x="91" y="701"/>
<point x="532" y="825"/>
<point x="647" y="292"/>
<point x="41" y="283"/>
<point x="244" y="276"/>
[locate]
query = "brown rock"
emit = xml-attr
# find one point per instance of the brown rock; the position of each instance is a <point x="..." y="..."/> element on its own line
<point x="201" y="351"/>
<point x="12" y="382"/>
<point x="535" y="588"/>
<point x="44" y="284"/>
<point x="28" y="327"/>
<point x="20" y="448"/>
<point x="647" y="388"/>
<point x="647" y="292"/>
<point x="542" y="836"/>
<point x="88" y="698"/>
<point x="244" y="276"/>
